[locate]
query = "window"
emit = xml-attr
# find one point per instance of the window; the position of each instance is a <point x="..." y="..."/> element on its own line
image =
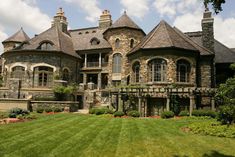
<point x="94" y="41"/>
<point x="157" y="70"/>
<point x="117" y="63"/>
<point x="132" y="43"/>
<point x="117" y="43"/>
<point x="43" y="76"/>
<point x="18" y="72"/>
<point x="183" y="71"/>
<point x="136" y="70"/>
<point x="46" y="46"/>
<point x="66" y="74"/>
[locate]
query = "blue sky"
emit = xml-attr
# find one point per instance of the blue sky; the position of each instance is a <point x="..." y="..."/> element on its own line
<point x="35" y="16"/>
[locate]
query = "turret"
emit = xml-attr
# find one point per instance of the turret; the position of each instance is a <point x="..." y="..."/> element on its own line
<point x="15" y="40"/>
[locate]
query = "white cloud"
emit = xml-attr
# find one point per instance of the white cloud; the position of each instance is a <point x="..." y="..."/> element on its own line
<point x="3" y="36"/>
<point x="224" y="30"/>
<point x="17" y="13"/>
<point x="90" y="7"/>
<point x="187" y="15"/>
<point x="136" y="8"/>
<point x="21" y="13"/>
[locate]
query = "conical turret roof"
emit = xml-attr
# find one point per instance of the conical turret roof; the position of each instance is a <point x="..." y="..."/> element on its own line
<point x="19" y="36"/>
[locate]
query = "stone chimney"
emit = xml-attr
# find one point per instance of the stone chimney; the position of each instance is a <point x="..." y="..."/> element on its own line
<point x="60" y="21"/>
<point x="105" y="19"/>
<point x="208" y="30"/>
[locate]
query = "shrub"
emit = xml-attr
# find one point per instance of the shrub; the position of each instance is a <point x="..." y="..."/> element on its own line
<point x="184" y="113"/>
<point x="134" y="113"/>
<point x="48" y="109"/>
<point x="19" y="111"/>
<point x="39" y="110"/>
<point x="199" y="113"/>
<point x="226" y="114"/>
<point x="100" y="111"/>
<point x="20" y="116"/>
<point x="44" y="98"/>
<point x="12" y="115"/>
<point x="118" y="114"/>
<point x="92" y="110"/>
<point x="167" y="114"/>
<point x="57" y="109"/>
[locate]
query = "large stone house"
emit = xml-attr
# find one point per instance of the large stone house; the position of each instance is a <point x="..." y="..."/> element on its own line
<point x="153" y="69"/>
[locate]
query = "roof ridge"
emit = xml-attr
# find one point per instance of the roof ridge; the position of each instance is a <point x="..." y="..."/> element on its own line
<point x="190" y="41"/>
<point x="165" y="25"/>
<point x="151" y="35"/>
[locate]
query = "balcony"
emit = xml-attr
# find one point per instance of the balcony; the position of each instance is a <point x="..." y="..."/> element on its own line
<point x="94" y="65"/>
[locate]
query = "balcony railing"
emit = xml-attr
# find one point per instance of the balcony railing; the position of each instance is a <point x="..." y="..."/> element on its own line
<point x="95" y="64"/>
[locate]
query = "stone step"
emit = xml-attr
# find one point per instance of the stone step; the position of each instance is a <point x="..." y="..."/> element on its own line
<point x="83" y="111"/>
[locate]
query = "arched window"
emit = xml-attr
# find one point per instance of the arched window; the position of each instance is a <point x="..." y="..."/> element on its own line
<point x="183" y="71"/>
<point x="132" y="43"/>
<point x="157" y="70"/>
<point x="94" y="41"/>
<point x="43" y="76"/>
<point x="117" y="63"/>
<point x="117" y="43"/>
<point x="66" y="74"/>
<point x="136" y="70"/>
<point x="46" y="46"/>
<point x="18" y="72"/>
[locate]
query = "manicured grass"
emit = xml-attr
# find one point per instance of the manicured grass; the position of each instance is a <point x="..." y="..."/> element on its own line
<point x="83" y="135"/>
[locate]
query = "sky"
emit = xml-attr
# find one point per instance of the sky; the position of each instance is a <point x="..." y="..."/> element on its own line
<point x="35" y="16"/>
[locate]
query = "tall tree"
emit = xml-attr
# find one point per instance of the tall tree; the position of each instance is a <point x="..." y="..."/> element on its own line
<point x="217" y="4"/>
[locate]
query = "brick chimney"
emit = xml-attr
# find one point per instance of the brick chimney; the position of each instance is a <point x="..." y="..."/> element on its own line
<point x="60" y="21"/>
<point x="208" y="30"/>
<point x="105" y="19"/>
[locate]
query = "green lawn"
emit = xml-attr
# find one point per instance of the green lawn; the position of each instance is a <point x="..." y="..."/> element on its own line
<point x="83" y="135"/>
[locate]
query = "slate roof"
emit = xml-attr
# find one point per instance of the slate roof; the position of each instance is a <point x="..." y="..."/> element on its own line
<point x="61" y="41"/>
<point x="125" y="22"/>
<point x="222" y="53"/>
<point x="164" y="36"/>
<point x="233" y="49"/>
<point x="19" y="36"/>
<point x="82" y="38"/>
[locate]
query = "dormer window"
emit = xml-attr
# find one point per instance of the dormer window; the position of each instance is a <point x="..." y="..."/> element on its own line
<point x="46" y="46"/>
<point x="94" y="41"/>
<point x="132" y="43"/>
<point x="117" y="43"/>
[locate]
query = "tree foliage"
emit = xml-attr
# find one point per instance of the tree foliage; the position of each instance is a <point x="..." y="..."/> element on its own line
<point x="216" y="4"/>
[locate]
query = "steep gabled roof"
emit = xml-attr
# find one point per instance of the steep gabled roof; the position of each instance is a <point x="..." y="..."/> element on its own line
<point x="223" y="54"/>
<point x="19" y="36"/>
<point x="82" y="38"/>
<point x="125" y="22"/>
<point x="164" y="36"/>
<point x="61" y="41"/>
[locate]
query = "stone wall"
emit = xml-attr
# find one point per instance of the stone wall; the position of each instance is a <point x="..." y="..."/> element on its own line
<point x="7" y="104"/>
<point x="171" y="56"/>
<point x="124" y="35"/>
<point x="205" y="72"/>
<point x="30" y="60"/>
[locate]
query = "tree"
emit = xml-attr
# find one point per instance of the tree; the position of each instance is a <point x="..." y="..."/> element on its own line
<point x="226" y="97"/>
<point x="217" y="4"/>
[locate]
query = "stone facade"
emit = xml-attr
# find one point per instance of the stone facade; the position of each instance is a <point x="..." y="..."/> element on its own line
<point x="125" y="36"/>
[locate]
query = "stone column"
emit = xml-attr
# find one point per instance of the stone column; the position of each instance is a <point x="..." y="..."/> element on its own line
<point x="84" y="78"/>
<point x="168" y="103"/>
<point x="192" y="103"/>
<point x="139" y="105"/>
<point x="213" y="103"/>
<point x="85" y="63"/>
<point x="99" y="80"/>
<point x="99" y="60"/>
